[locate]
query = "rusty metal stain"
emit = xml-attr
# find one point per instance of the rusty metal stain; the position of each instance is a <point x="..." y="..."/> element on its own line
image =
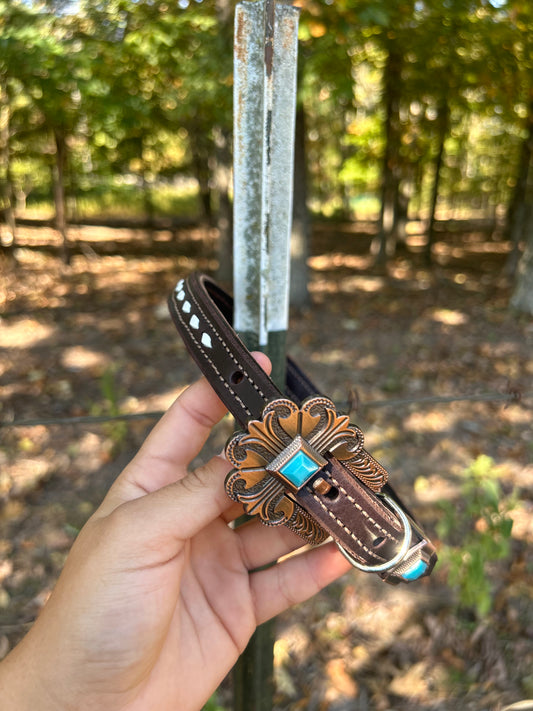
<point x="241" y="30"/>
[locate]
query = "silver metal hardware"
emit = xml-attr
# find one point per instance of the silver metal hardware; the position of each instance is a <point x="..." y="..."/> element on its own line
<point x="400" y="555"/>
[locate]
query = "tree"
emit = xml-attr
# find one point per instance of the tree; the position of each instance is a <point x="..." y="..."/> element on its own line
<point x="48" y="65"/>
<point x="301" y="228"/>
<point x="520" y="214"/>
<point x="384" y="244"/>
<point x="417" y="104"/>
<point x="5" y="167"/>
<point x="14" y="18"/>
<point x="522" y="298"/>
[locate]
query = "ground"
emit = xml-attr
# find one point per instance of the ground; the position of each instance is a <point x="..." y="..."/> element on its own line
<point x="435" y="368"/>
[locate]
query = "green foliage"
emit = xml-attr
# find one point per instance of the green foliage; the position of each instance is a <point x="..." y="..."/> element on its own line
<point x="213" y="705"/>
<point x="143" y="88"/>
<point x="118" y="199"/>
<point x="117" y="431"/>
<point x="477" y="533"/>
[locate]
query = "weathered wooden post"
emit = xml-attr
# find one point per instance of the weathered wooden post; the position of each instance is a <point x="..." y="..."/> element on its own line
<point x="265" y="58"/>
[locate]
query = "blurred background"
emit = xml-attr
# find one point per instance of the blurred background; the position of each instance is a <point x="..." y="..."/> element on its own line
<point x="412" y="302"/>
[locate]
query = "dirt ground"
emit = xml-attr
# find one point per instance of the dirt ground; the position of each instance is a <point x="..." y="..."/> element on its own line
<point x="436" y="367"/>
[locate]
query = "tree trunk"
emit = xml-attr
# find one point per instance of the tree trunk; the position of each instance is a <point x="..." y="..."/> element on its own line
<point x="522" y="298"/>
<point x="7" y="242"/>
<point x="201" y="171"/>
<point x="301" y="226"/>
<point x="222" y="173"/>
<point x="224" y="216"/>
<point x="515" y="212"/>
<point x="147" y="182"/>
<point x="58" y="174"/>
<point x="384" y="244"/>
<point x="401" y="216"/>
<point x="443" y="120"/>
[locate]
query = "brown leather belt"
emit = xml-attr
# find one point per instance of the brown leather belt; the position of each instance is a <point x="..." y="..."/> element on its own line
<point x="297" y="461"/>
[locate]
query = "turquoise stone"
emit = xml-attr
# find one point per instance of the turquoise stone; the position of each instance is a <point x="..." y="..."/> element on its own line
<point x="415" y="571"/>
<point x="299" y="468"/>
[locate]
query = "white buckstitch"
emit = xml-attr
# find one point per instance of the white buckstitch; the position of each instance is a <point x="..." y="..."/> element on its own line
<point x="228" y="351"/>
<point x="220" y="376"/>
<point x="206" y="340"/>
<point x="223" y="380"/>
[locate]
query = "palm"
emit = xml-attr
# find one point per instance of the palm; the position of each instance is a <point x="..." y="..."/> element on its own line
<point x="186" y="612"/>
<point x="201" y="636"/>
<point x="159" y="594"/>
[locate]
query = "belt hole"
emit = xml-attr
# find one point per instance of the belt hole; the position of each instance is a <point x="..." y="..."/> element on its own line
<point x="377" y="541"/>
<point x="236" y="377"/>
<point x="332" y="494"/>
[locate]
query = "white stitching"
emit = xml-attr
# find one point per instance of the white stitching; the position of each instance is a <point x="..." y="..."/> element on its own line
<point x="227" y="349"/>
<point x="220" y="376"/>
<point x="361" y="509"/>
<point x="345" y="528"/>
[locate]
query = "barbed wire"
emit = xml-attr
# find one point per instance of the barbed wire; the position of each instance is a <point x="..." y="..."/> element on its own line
<point x="83" y="419"/>
<point x="511" y="396"/>
<point x="352" y="405"/>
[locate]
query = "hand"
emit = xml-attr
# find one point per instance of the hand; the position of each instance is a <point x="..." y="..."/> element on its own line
<point x="159" y="596"/>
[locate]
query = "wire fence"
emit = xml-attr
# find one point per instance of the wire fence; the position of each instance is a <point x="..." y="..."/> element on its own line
<point x="351" y="406"/>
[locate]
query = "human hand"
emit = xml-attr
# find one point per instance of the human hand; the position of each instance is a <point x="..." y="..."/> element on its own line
<point x="159" y="595"/>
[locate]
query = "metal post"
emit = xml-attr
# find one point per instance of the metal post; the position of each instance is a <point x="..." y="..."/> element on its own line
<point x="265" y="57"/>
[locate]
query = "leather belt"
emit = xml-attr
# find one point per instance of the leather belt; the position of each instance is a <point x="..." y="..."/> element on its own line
<point x="297" y="461"/>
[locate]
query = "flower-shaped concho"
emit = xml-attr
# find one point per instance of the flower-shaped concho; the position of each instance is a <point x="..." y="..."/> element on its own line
<point x="284" y="451"/>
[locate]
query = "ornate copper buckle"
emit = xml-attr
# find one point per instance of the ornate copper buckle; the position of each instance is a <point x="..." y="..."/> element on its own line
<point x="290" y="442"/>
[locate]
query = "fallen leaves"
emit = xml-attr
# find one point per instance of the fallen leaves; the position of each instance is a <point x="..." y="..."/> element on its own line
<point x="411" y="333"/>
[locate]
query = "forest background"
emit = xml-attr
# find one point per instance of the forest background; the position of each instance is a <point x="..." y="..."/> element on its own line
<point x="413" y="261"/>
<point x="406" y="110"/>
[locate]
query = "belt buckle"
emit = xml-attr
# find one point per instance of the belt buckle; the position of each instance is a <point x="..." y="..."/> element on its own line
<point x="408" y="564"/>
<point x="280" y="453"/>
<point x="284" y="451"/>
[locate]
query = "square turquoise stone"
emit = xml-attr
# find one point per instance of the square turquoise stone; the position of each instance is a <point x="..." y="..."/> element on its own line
<point x="299" y="469"/>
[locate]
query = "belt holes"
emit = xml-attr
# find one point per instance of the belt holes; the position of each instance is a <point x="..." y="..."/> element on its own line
<point x="332" y="494"/>
<point x="236" y="377"/>
<point x="377" y="541"/>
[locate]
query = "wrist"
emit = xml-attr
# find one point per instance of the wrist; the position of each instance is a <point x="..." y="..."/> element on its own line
<point x="12" y="690"/>
<point x="20" y="688"/>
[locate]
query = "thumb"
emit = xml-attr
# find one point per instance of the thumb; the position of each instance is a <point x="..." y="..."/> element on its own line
<point x="162" y="521"/>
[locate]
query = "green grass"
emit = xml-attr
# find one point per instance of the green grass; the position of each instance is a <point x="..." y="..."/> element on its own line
<point x="115" y="200"/>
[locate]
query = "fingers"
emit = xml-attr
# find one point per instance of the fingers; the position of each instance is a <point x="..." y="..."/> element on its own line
<point x="156" y="525"/>
<point x="261" y="545"/>
<point x="176" y="439"/>
<point x="234" y="512"/>
<point x="295" y="580"/>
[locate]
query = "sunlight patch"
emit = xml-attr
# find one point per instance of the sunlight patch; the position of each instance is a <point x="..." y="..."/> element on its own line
<point x="435" y="421"/>
<point x="81" y="358"/>
<point x="449" y="317"/>
<point x="24" y="333"/>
